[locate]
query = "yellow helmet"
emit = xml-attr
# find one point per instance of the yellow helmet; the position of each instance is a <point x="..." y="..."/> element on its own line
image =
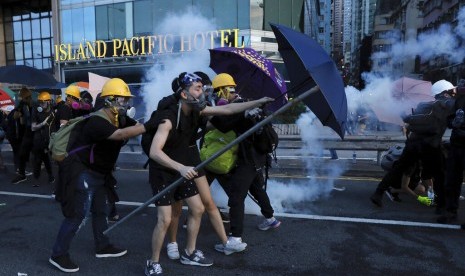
<point x="44" y="96"/>
<point x="222" y="80"/>
<point x="73" y="91"/>
<point x="116" y="87"/>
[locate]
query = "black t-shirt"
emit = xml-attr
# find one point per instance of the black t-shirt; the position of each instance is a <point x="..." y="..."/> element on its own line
<point x="42" y="136"/>
<point x="65" y="112"/>
<point x="105" y="152"/>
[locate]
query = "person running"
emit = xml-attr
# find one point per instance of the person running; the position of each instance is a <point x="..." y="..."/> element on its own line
<point x="84" y="189"/>
<point x="174" y="153"/>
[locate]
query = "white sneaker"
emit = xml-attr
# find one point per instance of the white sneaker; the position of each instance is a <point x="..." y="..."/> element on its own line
<point x="233" y="245"/>
<point x="173" y="251"/>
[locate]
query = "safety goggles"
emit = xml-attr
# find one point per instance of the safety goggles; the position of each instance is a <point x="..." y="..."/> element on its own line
<point x="207" y="89"/>
<point x="190" y="78"/>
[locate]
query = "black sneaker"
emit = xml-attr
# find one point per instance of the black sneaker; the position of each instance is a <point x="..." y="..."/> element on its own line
<point x="18" y="179"/>
<point x="153" y="268"/>
<point x="64" y="263"/>
<point x="110" y="251"/>
<point x="196" y="258"/>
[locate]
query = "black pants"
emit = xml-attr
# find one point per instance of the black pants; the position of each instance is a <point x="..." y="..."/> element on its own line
<point x="455" y="165"/>
<point x="243" y="179"/>
<point x="39" y="157"/>
<point x="15" y="146"/>
<point x="24" y="151"/>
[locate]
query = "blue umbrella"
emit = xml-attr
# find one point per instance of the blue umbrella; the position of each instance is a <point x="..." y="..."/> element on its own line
<point x="22" y="74"/>
<point x="305" y="60"/>
<point x="254" y="75"/>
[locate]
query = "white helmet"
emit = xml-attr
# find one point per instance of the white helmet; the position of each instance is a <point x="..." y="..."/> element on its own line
<point x="441" y="86"/>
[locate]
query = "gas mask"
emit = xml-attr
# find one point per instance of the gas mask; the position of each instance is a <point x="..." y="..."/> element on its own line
<point x="43" y="106"/>
<point x="131" y="112"/>
<point x="196" y="104"/>
<point x="85" y="106"/>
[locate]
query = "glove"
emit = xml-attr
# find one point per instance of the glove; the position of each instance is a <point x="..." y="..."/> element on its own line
<point x="253" y="113"/>
<point x="425" y="200"/>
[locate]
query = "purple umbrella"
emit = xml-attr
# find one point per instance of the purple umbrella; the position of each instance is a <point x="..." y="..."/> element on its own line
<point x="255" y="75"/>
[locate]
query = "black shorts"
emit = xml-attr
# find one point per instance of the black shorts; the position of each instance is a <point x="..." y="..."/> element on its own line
<point x="160" y="179"/>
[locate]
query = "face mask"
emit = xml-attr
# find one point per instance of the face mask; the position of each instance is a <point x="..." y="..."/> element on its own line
<point x="75" y="106"/>
<point x="131" y="112"/>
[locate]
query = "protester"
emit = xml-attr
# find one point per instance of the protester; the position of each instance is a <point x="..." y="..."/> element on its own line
<point x="43" y="123"/>
<point x="22" y="114"/>
<point x="247" y="175"/>
<point x="84" y="188"/>
<point x="70" y="109"/>
<point x="172" y="155"/>
<point x="425" y="131"/>
<point x="3" y="126"/>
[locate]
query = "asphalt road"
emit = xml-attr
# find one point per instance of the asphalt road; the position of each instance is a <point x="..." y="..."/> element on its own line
<point x="324" y="231"/>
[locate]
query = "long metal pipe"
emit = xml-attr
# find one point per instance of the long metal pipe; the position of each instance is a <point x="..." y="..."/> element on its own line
<point x="215" y="155"/>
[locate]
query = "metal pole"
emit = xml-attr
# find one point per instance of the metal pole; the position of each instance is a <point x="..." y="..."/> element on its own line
<point x="215" y="155"/>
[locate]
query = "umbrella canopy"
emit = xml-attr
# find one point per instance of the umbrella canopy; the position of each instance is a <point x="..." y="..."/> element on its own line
<point x="406" y="94"/>
<point x="5" y="100"/>
<point x="8" y="91"/>
<point x="82" y="84"/>
<point x="254" y="75"/>
<point x="22" y="74"/>
<point x="305" y="60"/>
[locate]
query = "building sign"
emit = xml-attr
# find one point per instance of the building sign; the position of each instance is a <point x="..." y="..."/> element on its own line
<point x="147" y="45"/>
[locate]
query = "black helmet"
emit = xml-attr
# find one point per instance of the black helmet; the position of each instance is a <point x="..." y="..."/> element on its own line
<point x="205" y="78"/>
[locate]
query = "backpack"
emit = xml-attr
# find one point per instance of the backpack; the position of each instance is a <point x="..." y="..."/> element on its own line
<point x="61" y="140"/>
<point x="265" y="140"/>
<point x="214" y="141"/>
<point x="391" y="156"/>
<point x="425" y="119"/>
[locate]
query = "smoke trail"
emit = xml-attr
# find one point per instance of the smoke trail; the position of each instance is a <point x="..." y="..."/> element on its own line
<point x="158" y="78"/>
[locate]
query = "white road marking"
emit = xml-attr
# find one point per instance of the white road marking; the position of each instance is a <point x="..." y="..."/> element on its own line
<point x="298" y="216"/>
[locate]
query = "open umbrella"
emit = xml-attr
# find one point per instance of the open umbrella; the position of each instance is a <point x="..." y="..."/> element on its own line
<point x="255" y="75"/>
<point x="406" y="93"/>
<point x="5" y="100"/>
<point x="305" y="60"/>
<point x="22" y="74"/>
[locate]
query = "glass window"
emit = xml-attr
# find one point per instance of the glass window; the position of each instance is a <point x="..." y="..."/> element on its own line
<point x="160" y="9"/>
<point x="26" y="16"/>
<point x="243" y="14"/>
<point x="67" y="29"/>
<point x="226" y="14"/>
<point x="116" y="21"/>
<point x="35" y="15"/>
<point x="35" y="28"/>
<point x="26" y="29"/>
<point x="142" y="15"/>
<point x="101" y="22"/>
<point x="17" y="31"/>
<point x="20" y="62"/>
<point x="45" y="27"/>
<point x="19" y="50"/>
<point x="77" y="16"/>
<point x="256" y="14"/>
<point x="27" y="49"/>
<point x="47" y="63"/>
<point x="89" y="23"/>
<point x="46" y="47"/>
<point x="29" y="62"/>
<point x="36" y="48"/>
<point x="38" y="63"/>
<point x="205" y="7"/>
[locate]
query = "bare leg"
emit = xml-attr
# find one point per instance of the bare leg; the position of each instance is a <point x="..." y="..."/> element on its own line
<point x="158" y="236"/>
<point x="196" y="210"/>
<point x="210" y="207"/>
<point x="175" y="215"/>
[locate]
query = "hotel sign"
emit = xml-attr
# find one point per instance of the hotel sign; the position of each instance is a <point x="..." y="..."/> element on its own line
<point x="147" y="45"/>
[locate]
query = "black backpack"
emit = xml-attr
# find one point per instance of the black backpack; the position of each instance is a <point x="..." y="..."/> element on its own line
<point x="265" y="140"/>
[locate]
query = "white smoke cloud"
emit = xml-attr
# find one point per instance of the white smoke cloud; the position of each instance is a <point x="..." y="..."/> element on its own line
<point x="158" y="79"/>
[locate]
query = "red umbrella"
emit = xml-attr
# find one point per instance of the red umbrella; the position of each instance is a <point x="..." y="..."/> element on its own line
<point x="5" y="100"/>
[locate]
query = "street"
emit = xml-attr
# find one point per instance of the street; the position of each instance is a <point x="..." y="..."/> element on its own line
<point x="339" y="232"/>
